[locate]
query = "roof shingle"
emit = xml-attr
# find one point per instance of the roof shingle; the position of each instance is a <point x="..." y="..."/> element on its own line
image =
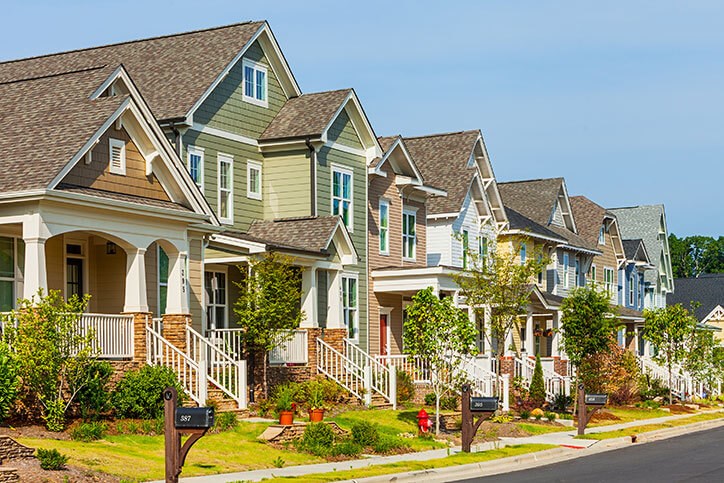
<point x="306" y="115"/>
<point x="309" y="234"/>
<point x="707" y="289"/>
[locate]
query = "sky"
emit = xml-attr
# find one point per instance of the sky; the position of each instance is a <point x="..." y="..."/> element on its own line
<point x="624" y="99"/>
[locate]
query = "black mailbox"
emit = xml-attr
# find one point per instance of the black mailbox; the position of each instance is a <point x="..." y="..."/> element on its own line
<point x="483" y="404"/>
<point x="200" y="418"/>
<point x="596" y="399"/>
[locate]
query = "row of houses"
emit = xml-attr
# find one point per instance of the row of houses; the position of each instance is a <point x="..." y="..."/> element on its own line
<point x="148" y="173"/>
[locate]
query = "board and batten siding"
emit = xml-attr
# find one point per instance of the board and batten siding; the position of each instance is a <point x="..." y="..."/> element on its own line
<point x="287" y="186"/>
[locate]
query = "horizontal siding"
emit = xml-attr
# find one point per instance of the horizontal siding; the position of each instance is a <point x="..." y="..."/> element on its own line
<point x="468" y="220"/>
<point x="439" y="242"/>
<point x="287" y="191"/>
<point x="342" y="131"/>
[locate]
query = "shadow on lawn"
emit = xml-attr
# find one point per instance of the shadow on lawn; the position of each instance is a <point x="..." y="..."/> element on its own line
<point x="408" y="417"/>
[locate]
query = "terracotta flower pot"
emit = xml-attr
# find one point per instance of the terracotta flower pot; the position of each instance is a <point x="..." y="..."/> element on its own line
<point x="316" y="415"/>
<point x="286" y="418"/>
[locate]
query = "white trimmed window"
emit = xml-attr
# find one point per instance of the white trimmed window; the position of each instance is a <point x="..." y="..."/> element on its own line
<point x="483" y="249"/>
<point x="162" y="280"/>
<point x="255" y="83"/>
<point x="578" y="272"/>
<point x="602" y="235"/>
<point x="608" y="280"/>
<point x="342" y="195"/>
<point x="593" y="274"/>
<point x="384" y="227"/>
<point x="195" y="161"/>
<point x="350" y="311"/>
<point x="523" y="253"/>
<point x="409" y="238"/>
<point x="466" y="247"/>
<point x="566" y="274"/>
<point x="631" y="293"/>
<point x="117" y="156"/>
<point x="253" y="180"/>
<point x="226" y="188"/>
<point x="8" y="269"/>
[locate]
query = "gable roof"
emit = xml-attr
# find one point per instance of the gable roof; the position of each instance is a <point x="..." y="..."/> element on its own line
<point x="306" y="115"/>
<point x="525" y="224"/>
<point x="173" y="72"/>
<point x="635" y="250"/>
<point x="707" y="289"/>
<point x="536" y="199"/>
<point x="590" y="216"/>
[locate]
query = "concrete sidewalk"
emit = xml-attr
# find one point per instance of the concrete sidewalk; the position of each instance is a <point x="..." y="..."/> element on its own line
<point x="563" y="438"/>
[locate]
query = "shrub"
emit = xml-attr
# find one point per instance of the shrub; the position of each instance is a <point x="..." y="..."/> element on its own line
<point x="225" y="421"/>
<point x="88" y="431"/>
<point x="8" y="380"/>
<point x="430" y="399"/>
<point x="614" y="372"/>
<point x="502" y="418"/>
<point x="450" y="403"/>
<point x="346" y="448"/>
<point x="537" y="414"/>
<point x="551" y="417"/>
<point x="648" y="405"/>
<point x="284" y="396"/>
<point x="318" y="438"/>
<point x="405" y="387"/>
<point x="51" y="459"/>
<point x="365" y="433"/>
<point x="525" y="414"/>
<point x="537" y="384"/>
<point x="389" y="444"/>
<point x="55" y="415"/>
<point x="92" y="396"/>
<point x="561" y="402"/>
<point x="139" y="393"/>
<point x="650" y="388"/>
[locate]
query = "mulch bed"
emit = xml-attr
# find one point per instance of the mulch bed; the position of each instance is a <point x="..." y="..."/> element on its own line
<point x="679" y="409"/>
<point x="601" y="416"/>
<point x="29" y="470"/>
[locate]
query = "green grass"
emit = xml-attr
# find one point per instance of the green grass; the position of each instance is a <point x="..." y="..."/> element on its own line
<point x="456" y="459"/>
<point x="652" y="427"/>
<point x="534" y="429"/>
<point x="627" y="415"/>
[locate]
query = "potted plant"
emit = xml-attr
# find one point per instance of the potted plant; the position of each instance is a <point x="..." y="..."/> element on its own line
<point x="315" y="401"/>
<point x="285" y="405"/>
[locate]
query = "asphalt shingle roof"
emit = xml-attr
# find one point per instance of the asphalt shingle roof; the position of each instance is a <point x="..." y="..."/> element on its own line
<point x="443" y="159"/>
<point x="707" y="289"/>
<point x="534" y="199"/>
<point x="112" y="195"/>
<point x="523" y="223"/>
<point x="306" y="115"/>
<point x="643" y="222"/>
<point x="309" y="234"/>
<point x="589" y="217"/>
<point x="632" y="250"/>
<point x="172" y="72"/>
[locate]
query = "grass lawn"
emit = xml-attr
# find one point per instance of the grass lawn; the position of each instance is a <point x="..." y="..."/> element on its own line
<point x="628" y="414"/>
<point x="456" y="459"/>
<point x="653" y="427"/>
<point x="534" y="429"/>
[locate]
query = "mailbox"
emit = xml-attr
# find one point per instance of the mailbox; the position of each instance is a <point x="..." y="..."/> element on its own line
<point x="596" y="399"/>
<point x="483" y="404"/>
<point x="199" y="418"/>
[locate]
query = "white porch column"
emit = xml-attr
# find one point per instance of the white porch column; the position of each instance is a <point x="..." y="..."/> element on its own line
<point x="177" y="300"/>
<point x="555" y="349"/>
<point x="334" y="299"/>
<point x="35" y="271"/>
<point x="136" y="281"/>
<point x="309" y="296"/>
<point x="529" y="340"/>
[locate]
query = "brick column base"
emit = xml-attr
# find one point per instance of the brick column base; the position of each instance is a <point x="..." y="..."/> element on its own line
<point x="174" y="329"/>
<point x="560" y="366"/>
<point x="140" y="319"/>
<point x="507" y="365"/>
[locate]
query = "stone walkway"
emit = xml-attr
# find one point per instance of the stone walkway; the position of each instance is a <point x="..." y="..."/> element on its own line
<point x="562" y="438"/>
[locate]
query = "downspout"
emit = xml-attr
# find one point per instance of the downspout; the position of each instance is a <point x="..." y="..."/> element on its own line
<point x="177" y="140"/>
<point x="312" y="177"/>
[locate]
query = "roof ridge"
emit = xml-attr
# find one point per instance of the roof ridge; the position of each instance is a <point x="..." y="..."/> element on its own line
<point x="114" y="44"/>
<point x="530" y="180"/>
<point x="654" y="205"/>
<point x="326" y="92"/>
<point x="56" y="74"/>
<point x="450" y="133"/>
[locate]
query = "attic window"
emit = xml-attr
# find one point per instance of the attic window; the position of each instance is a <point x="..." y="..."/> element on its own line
<point x="255" y="83"/>
<point x="602" y="235"/>
<point x="117" y="161"/>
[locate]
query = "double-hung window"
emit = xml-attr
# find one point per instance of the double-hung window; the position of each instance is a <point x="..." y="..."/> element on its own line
<point x="466" y="247"/>
<point x="631" y="290"/>
<point x="641" y="291"/>
<point x="483" y="249"/>
<point x="593" y="274"/>
<point x="566" y="274"/>
<point x="255" y="83"/>
<point x="349" y="305"/>
<point x="409" y="240"/>
<point x="602" y="235"/>
<point x="7" y="274"/>
<point x="253" y="180"/>
<point x="162" y="280"/>
<point x="384" y="227"/>
<point x="226" y="188"/>
<point x="342" y="195"/>
<point x="578" y="272"/>
<point x="608" y="280"/>
<point x="523" y="253"/>
<point x="195" y="157"/>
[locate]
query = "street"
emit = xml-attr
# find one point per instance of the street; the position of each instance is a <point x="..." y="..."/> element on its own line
<point x="692" y="458"/>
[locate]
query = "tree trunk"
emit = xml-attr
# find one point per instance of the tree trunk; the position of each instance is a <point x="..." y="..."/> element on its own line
<point x="437" y="413"/>
<point x="668" y="366"/>
<point x="264" y="375"/>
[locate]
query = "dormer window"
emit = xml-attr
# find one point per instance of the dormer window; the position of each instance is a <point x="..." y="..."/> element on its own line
<point x="255" y="83"/>
<point x="117" y="156"/>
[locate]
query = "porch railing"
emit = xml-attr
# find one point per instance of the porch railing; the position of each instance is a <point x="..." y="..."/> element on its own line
<point x="341" y="369"/>
<point x="378" y="377"/>
<point x="291" y="349"/>
<point x="484" y="382"/>
<point x="554" y="383"/>
<point x="414" y="366"/>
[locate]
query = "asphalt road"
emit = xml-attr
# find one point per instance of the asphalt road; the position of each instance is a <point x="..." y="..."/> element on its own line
<point x="697" y="457"/>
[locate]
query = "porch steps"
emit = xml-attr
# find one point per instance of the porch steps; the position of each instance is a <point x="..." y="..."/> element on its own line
<point x="380" y="402"/>
<point x="224" y="404"/>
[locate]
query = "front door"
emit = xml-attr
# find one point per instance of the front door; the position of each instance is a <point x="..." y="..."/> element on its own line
<point x="74" y="277"/>
<point x="384" y="343"/>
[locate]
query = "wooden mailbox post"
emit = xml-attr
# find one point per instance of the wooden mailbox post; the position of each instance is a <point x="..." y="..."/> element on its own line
<point x="586" y="401"/>
<point x="194" y="422"/>
<point x="484" y="406"/>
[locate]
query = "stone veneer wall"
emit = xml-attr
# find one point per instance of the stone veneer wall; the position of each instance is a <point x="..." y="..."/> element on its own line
<point x="11" y="449"/>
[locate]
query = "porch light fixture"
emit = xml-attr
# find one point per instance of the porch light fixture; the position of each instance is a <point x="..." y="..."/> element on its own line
<point x="111" y="248"/>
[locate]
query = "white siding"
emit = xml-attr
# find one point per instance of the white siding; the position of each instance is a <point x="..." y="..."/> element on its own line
<point x="468" y="220"/>
<point x="558" y="215"/>
<point x="439" y="240"/>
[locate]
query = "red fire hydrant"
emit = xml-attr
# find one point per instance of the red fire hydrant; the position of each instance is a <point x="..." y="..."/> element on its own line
<point x="423" y="421"/>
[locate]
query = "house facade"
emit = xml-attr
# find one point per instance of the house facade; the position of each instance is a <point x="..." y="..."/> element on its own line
<point x="707" y="293"/>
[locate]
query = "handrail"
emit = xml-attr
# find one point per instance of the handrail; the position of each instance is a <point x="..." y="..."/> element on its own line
<point x="191" y="376"/>
<point x="484" y="381"/>
<point x="414" y="366"/>
<point x="554" y="383"/>
<point x="382" y="379"/>
<point x="340" y="368"/>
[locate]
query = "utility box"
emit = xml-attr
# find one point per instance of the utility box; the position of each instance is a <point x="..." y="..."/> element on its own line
<point x="197" y="418"/>
<point x="478" y="404"/>
<point x="596" y="399"/>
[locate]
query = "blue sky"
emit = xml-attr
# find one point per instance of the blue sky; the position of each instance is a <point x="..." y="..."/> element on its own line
<point x="624" y="99"/>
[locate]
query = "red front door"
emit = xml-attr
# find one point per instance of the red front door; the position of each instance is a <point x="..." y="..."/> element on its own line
<point x="383" y="335"/>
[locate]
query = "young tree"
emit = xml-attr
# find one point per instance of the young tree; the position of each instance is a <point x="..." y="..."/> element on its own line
<point x="704" y="358"/>
<point x="53" y="355"/>
<point x="437" y="332"/>
<point x="669" y="329"/>
<point x="501" y="282"/>
<point x="269" y="305"/>
<point x="587" y="323"/>
<point x="537" y="384"/>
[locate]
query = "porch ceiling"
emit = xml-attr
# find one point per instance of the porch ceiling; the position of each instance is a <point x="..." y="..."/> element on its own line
<point x="408" y="281"/>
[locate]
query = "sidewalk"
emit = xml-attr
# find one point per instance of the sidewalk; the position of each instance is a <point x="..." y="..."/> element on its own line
<point x="563" y="438"/>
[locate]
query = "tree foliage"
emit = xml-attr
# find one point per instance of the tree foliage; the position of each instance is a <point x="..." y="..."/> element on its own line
<point x="613" y="371"/>
<point x="694" y="255"/>
<point x="269" y="304"/>
<point x="437" y="333"/>
<point x="705" y="358"/>
<point x="587" y="323"/>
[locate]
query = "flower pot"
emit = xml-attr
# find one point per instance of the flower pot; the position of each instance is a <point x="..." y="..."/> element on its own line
<point x="316" y="415"/>
<point x="286" y="418"/>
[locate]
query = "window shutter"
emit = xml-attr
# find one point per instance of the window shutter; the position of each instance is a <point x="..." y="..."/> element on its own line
<point x="117" y="162"/>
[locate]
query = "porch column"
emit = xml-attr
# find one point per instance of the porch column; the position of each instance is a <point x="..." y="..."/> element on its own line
<point x="136" y="281"/>
<point x="177" y="300"/>
<point x="35" y="271"/>
<point x="555" y="349"/>
<point x="309" y="296"/>
<point x="529" y="340"/>
<point x="334" y="299"/>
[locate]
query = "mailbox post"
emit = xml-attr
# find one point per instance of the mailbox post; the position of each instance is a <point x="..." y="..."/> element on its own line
<point x="194" y="422"/>
<point x="484" y="406"/>
<point x="586" y="401"/>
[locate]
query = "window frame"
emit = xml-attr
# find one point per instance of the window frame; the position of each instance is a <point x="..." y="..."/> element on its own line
<point x="608" y="285"/>
<point x="159" y="250"/>
<point x="566" y="274"/>
<point x="120" y="143"/>
<point x="465" y="246"/>
<point x="578" y="271"/>
<point x="346" y="308"/>
<point x="256" y="67"/>
<point x="602" y="235"/>
<point x="196" y="151"/>
<point x="631" y="289"/>
<point x="251" y="166"/>
<point x="335" y="168"/>
<point x="409" y="212"/>
<point x="220" y="159"/>
<point x="593" y="273"/>
<point x="386" y="229"/>
<point x="523" y="253"/>
<point x="16" y="279"/>
<point x="483" y="248"/>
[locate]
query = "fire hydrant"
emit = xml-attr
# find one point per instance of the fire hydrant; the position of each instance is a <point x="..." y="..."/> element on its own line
<point x="423" y="421"/>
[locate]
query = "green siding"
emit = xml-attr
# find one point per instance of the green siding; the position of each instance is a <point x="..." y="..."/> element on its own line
<point x="225" y="108"/>
<point x="286" y="185"/>
<point x="342" y="131"/>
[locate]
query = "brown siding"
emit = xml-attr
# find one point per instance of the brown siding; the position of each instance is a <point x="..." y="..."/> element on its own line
<point x="608" y="259"/>
<point x="108" y="274"/>
<point x="395" y="320"/>
<point x="97" y="174"/>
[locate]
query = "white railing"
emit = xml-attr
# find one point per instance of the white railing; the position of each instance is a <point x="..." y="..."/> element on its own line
<point x="190" y="374"/>
<point x="224" y="372"/>
<point x="157" y="324"/>
<point x="682" y="384"/>
<point x="555" y="383"/>
<point x="414" y="366"/>
<point x="227" y="340"/>
<point x="340" y="369"/>
<point x="484" y="382"/>
<point x="378" y="377"/>
<point x="291" y="350"/>
<point x="113" y="334"/>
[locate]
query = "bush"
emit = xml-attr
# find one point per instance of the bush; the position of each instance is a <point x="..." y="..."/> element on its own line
<point x="430" y="399"/>
<point x="139" y="393"/>
<point x="650" y="388"/>
<point x="405" y="387"/>
<point x="225" y="421"/>
<point x="346" y="448"/>
<point x="88" y="432"/>
<point x="55" y="416"/>
<point x="449" y="403"/>
<point x="614" y="372"/>
<point x="648" y="405"/>
<point x="51" y="459"/>
<point x="525" y="414"/>
<point x="551" y="417"/>
<point x="8" y="380"/>
<point x="318" y="438"/>
<point x="93" y="397"/>
<point x="365" y="433"/>
<point x="561" y="402"/>
<point x="285" y="395"/>
<point x="537" y="414"/>
<point x="389" y="444"/>
<point x="537" y="384"/>
<point x="502" y="418"/>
